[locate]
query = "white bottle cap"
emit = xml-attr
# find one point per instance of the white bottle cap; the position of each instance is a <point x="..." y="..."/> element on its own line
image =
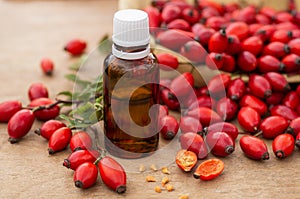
<point x="131" y="28"/>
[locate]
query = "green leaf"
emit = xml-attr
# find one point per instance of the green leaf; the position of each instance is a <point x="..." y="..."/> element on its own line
<point x="66" y="93"/>
<point x="105" y="45"/>
<point x="76" y="66"/>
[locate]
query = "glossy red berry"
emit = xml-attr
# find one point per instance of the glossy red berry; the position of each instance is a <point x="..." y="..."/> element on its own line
<point x="218" y="84"/>
<point x="214" y="61"/>
<point x="226" y="127"/>
<point x="59" y="140"/>
<point x="247" y="62"/>
<point x="220" y="143"/>
<point x="273" y="126"/>
<point x="167" y="61"/>
<point x="284" y="111"/>
<point x="154" y="18"/>
<point x="182" y="85"/>
<point x="218" y="42"/>
<point x="47" y="66"/>
<point x="193" y="51"/>
<point x="48" y="128"/>
<point x="269" y="63"/>
<point x="81" y="141"/>
<point x="254" y="148"/>
<point x="216" y="22"/>
<point x="259" y="86"/>
<point x="191" y="15"/>
<point x="283" y="36"/>
<point x="236" y="89"/>
<point x="170" y="12"/>
<point x="205" y="115"/>
<point x="227" y="109"/>
<point x="275" y="98"/>
<point x="295" y="46"/>
<point x="79" y="157"/>
<point x="169" y="99"/>
<point x="276" y="49"/>
<point x="229" y="64"/>
<point x="234" y="45"/>
<point x="44" y="114"/>
<point x="282" y="17"/>
<point x="190" y="124"/>
<point x="249" y="119"/>
<point x="203" y="101"/>
<point x="239" y="29"/>
<point x="180" y="24"/>
<point x="109" y="167"/>
<point x="75" y="47"/>
<point x="203" y="35"/>
<point x="8" y="109"/>
<point x="37" y="90"/>
<point x="277" y="81"/>
<point x="19" y="125"/>
<point x="255" y="103"/>
<point x="170" y="127"/>
<point x="265" y="32"/>
<point x="194" y="142"/>
<point x="283" y="145"/>
<point x="291" y="100"/>
<point x="167" y="38"/>
<point x="85" y="175"/>
<point x="291" y="63"/>
<point x="294" y="127"/>
<point x="253" y="45"/>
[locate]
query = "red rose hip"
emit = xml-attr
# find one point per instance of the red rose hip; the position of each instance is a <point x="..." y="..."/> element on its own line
<point x="170" y="127"/>
<point x="19" y="125"/>
<point x="81" y="141"/>
<point x="283" y="145"/>
<point x="47" y="66"/>
<point x="220" y="143"/>
<point x="254" y="148"/>
<point x="192" y="141"/>
<point x="48" y="128"/>
<point x="59" y="140"/>
<point x="85" y="175"/>
<point x="79" y="157"/>
<point x="8" y="109"/>
<point x="75" y="47"/>
<point x="273" y="126"/>
<point x="112" y="174"/>
<point x="249" y="119"/>
<point x="259" y="86"/>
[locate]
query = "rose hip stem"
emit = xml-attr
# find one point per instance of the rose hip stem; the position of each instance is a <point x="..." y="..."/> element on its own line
<point x="58" y="101"/>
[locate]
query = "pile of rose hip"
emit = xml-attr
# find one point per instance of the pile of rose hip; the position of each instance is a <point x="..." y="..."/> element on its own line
<point x="84" y="159"/>
<point x="248" y="39"/>
<point x="264" y="105"/>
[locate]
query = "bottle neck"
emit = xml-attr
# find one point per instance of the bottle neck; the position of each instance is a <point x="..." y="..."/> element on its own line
<point x="130" y="53"/>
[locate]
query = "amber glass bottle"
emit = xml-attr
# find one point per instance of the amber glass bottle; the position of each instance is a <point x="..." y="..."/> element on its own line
<point x="130" y="83"/>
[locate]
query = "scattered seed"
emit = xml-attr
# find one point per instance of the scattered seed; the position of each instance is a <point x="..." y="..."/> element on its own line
<point x="184" y="196"/>
<point x="157" y="189"/>
<point x="153" y="167"/>
<point x="169" y="187"/>
<point x="142" y="168"/>
<point x="165" y="170"/>
<point x="150" y="179"/>
<point x="164" y="181"/>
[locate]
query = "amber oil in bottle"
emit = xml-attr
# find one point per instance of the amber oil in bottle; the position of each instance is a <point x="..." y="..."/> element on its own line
<point x="130" y="88"/>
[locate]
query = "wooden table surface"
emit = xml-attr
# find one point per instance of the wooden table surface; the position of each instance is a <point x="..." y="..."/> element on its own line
<point x="31" y="30"/>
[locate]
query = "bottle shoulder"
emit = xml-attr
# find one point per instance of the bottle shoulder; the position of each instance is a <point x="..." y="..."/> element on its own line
<point x="149" y="61"/>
